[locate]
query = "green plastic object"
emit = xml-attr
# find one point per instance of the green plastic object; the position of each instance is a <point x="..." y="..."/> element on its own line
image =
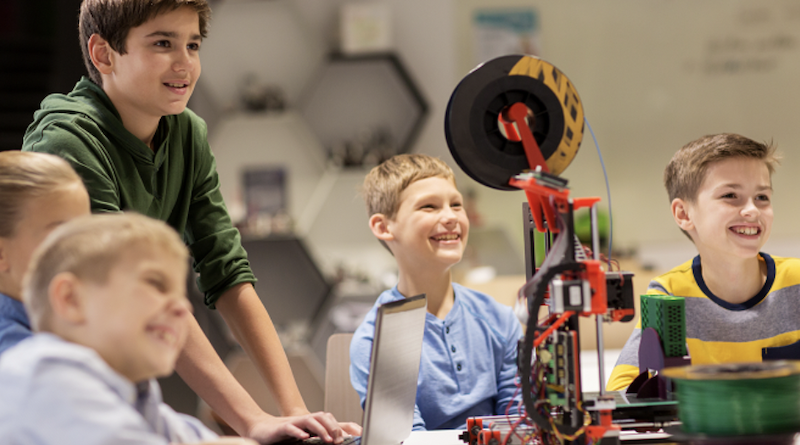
<point x="667" y="315"/>
<point x="738" y="408"/>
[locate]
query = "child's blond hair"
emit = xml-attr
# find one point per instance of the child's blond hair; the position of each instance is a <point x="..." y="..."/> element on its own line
<point x="686" y="171"/>
<point x="385" y="182"/>
<point x="89" y="247"/>
<point x="24" y="176"/>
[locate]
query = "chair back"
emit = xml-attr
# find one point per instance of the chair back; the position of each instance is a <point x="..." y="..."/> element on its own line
<point x="341" y="399"/>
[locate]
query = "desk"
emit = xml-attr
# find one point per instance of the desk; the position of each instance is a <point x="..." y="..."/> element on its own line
<point x="450" y="437"/>
<point x="437" y="437"/>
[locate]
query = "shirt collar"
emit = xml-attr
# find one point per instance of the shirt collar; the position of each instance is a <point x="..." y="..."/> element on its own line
<point x="14" y="310"/>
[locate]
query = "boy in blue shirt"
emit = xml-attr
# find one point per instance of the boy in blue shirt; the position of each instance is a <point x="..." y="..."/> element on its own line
<point x="39" y="192"/>
<point x="107" y="296"/>
<point x="469" y="351"/>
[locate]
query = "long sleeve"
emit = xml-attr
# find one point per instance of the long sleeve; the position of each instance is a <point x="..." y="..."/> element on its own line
<point x="213" y="240"/>
<point x="175" y="182"/>
<point x="80" y="400"/>
<point x="79" y="142"/>
<point x="507" y="390"/>
<point x="627" y="367"/>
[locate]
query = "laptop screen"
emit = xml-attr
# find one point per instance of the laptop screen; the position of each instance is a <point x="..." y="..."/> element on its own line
<point x="394" y="369"/>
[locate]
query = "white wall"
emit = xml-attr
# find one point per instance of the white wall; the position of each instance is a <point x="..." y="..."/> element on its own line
<point x="649" y="76"/>
<point x="652" y="77"/>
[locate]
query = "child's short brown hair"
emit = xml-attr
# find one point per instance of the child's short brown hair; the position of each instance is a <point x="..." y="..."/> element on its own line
<point x="26" y="175"/>
<point x="113" y="19"/>
<point x="89" y="247"/>
<point x="686" y="171"/>
<point x="385" y="182"/>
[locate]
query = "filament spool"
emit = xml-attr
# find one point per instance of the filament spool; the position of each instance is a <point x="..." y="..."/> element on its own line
<point x="738" y="399"/>
<point x="471" y="119"/>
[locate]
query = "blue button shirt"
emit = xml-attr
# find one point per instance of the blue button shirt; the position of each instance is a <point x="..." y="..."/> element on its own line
<point x="468" y="366"/>
<point x="14" y="323"/>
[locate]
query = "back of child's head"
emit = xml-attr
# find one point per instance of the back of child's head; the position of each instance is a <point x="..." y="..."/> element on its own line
<point x="89" y="247"/>
<point x="685" y="173"/>
<point x="385" y="183"/>
<point x="113" y="19"/>
<point x="28" y="175"/>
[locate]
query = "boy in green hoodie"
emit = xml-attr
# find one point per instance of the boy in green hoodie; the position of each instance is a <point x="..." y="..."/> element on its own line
<point x="127" y="132"/>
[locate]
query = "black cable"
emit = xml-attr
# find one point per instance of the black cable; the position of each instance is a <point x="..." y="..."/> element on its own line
<point x="535" y="300"/>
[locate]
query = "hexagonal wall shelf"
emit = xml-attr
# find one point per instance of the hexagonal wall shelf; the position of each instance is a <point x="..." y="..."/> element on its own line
<point x="252" y="140"/>
<point x="266" y="39"/>
<point x="364" y="109"/>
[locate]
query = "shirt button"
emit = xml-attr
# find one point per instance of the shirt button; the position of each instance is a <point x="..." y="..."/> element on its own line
<point x="453" y="348"/>
<point x="447" y="330"/>
<point x="458" y="367"/>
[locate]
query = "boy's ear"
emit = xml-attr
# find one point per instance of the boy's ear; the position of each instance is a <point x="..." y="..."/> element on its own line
<point x="379" y="224"/>
<point x="65" y="298"/>
<point x="100" y="52"/>
<point x="680" y="211"/>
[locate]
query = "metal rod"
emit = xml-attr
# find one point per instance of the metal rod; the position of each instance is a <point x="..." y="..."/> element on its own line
<point x="547" y="242"/>
<point x="595" y="232"/>
<point x="598" y="318"/>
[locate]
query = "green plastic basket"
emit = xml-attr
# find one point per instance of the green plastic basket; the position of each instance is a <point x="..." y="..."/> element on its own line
<point x="667" y="315"/>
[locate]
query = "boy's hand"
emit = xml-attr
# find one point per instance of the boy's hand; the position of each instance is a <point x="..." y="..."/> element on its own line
<point x="273" y="429"/>
<point x="226" y="440"/>
<point x="350" y="428"/>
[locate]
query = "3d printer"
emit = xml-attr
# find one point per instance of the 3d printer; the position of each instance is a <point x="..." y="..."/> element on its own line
<point x="515" y="123"/>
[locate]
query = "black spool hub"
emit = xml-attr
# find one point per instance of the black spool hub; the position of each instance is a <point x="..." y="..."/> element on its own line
<point x="471" y="119"/>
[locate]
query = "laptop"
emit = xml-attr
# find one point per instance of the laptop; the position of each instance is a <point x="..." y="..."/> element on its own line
<point x="394" y="370"/>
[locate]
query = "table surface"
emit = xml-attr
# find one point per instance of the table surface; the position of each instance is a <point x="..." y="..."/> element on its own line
<point x="437" y="437"/>
<point x="450" y="437"/>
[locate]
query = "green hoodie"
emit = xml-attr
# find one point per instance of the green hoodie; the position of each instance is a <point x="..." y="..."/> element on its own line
<point x="177" y="183"/>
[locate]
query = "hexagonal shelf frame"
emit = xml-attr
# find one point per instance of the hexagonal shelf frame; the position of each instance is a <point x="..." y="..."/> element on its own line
<point x="265" y="39"/>
<point x="252" y="140"/>
<point x="364" y="109"/>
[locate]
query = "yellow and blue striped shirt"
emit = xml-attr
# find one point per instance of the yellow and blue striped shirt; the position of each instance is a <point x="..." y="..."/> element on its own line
<point x="765" y="326"/>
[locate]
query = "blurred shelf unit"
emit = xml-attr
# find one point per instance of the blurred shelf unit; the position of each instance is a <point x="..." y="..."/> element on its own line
<point x="267" y="42"/>
<point x="245" y="142"/>
<point x="290" y="284"/>
<point x="364" y="109"/>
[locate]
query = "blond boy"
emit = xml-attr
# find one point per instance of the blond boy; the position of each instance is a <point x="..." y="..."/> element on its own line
<point x="106" y="295"/>
<point x="468" y="364"/>
<point x="741" y="303"/>
<point x="39" y="192"/>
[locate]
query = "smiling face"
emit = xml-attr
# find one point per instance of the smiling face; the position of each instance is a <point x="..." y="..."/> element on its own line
<point x="157" y="74"/>
<point x="732" y="214"/>
<point x="39" y="217"/>
<point x="138" y="319"/>
<point x="430" y="228"/>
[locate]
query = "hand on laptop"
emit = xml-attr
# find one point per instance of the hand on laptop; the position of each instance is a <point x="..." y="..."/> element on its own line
<point x="350" y="428"/>
<point x="226" y="440"/>
<point x="274" y="429"/>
